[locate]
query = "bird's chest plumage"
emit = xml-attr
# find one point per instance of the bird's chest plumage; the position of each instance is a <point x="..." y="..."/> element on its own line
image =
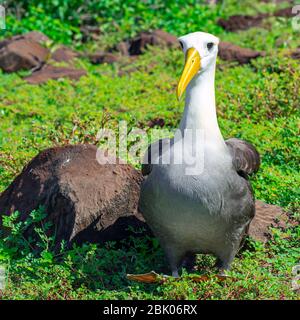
<point x="200" y="194"/>
<point x="200" y="207"/>
<point x="192" y="209"/>
<point x="200" y="182"/>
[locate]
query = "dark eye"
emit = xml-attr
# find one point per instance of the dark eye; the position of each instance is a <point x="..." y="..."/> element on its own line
<point x="210" y="45"/>
<point x="181" y="45"/>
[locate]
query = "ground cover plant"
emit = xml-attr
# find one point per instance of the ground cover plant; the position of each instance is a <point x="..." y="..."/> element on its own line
<point x="258" y="102"/>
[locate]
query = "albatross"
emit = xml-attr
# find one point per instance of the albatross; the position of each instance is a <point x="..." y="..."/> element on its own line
<point x="207" y="210"/>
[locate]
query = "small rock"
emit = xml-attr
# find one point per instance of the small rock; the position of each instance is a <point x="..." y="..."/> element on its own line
<point x="138" y="45"/>
<point x="84" y="200"/>
<point x="104" y="57"/>
<point x="266" y="215"/>
<point x="241" y="22"/>
<point x="277" y="1"/>
<point x="51" y="72"/>
<point x="21" y="54"/>
<point x="34" y="36"/>
<point x="157" y="122"/>
<point x="64" y="54"/>
<point x="296" y="54"/>
<point x="285" y="13"/>
<point x="244" y="22"/>
<point x="4" y="43"/>
<point x="231" y="52"/>
<point x="164" y="38"/>
<point x="90" y="33"/>
<point x="123" y="48"/>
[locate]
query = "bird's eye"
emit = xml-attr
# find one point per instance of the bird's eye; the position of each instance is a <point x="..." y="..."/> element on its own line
<point x="210" y="45"/>
<point x="181" y="44"/>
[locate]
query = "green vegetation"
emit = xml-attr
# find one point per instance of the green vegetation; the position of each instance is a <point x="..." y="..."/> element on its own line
<point x="61" y="19"/>
<point x="258" y="102"/>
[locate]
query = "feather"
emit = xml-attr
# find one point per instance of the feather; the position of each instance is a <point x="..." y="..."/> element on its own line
<point x="245" y="157"/>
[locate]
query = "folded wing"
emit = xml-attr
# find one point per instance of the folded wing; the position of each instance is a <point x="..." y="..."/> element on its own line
<point x="245" y="157"/>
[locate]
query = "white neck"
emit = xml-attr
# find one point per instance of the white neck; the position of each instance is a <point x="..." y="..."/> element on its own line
<point x="200" y="107"/>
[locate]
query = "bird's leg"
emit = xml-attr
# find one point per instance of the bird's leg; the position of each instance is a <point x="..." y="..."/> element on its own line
<point x="189" y="261"/>
<point x="222" y="265"/>
<point x="175" y="273"/>
<point x="174" y="257"/>
<point x="174" y="264"/>
<point x="225" y="258"/>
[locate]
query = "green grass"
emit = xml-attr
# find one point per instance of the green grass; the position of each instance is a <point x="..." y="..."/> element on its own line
<point x="257" y="102"/>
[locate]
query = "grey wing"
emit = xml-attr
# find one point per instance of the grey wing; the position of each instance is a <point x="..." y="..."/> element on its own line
<point x="153" y="153"/>
<point x="245" y="157"/>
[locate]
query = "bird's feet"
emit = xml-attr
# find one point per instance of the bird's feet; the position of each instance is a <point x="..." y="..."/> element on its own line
<point x="222" y="267"/>
<point x="189" y="262"/>
<point x="175" y="273"/>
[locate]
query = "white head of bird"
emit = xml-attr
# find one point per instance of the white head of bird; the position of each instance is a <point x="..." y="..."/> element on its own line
<point x="200" y="51"/>
<point x="198" y="80"/>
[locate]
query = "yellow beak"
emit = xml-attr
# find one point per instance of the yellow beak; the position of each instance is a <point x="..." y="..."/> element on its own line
<point x="191" y="68"/>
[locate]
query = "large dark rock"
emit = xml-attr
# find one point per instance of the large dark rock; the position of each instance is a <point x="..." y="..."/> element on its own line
<point x="89" y="202"/>
<point x="84" y="200"/>
<point x="48" y="72"/>
<point x="231" y="52"/>
<point x="21" y="53"/>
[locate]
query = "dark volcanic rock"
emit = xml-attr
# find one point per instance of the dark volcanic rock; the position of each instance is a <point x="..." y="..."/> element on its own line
<point x="278" y="1"/>
<point x="240" y="22"/>
<point x="123" y="48"/>
<point x="104" y="57"/>
<point x="34" y="36"/>
<point x="266" y="215"/>
<point x="51" y="72"/>
<point x="159" y="122"/>
<point x="4" y="43"/>
<point x="90" y="33"/>
<point x="89" y="202"/>
<point x="243" y="22"/>
<point x="84" y="200"/>
<point x="296" y="54"/>
<point x="285" y="13"/>
<point x="138" y="45"/>
<point x="163" y="38"/>
<point x="156" y="38"/>
<point x="64" y="54"/>
<point x="231" y="52"/>
<point x="21" y="54"/>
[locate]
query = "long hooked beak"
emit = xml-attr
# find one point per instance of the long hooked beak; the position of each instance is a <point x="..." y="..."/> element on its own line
<point x="191" y="68"/>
